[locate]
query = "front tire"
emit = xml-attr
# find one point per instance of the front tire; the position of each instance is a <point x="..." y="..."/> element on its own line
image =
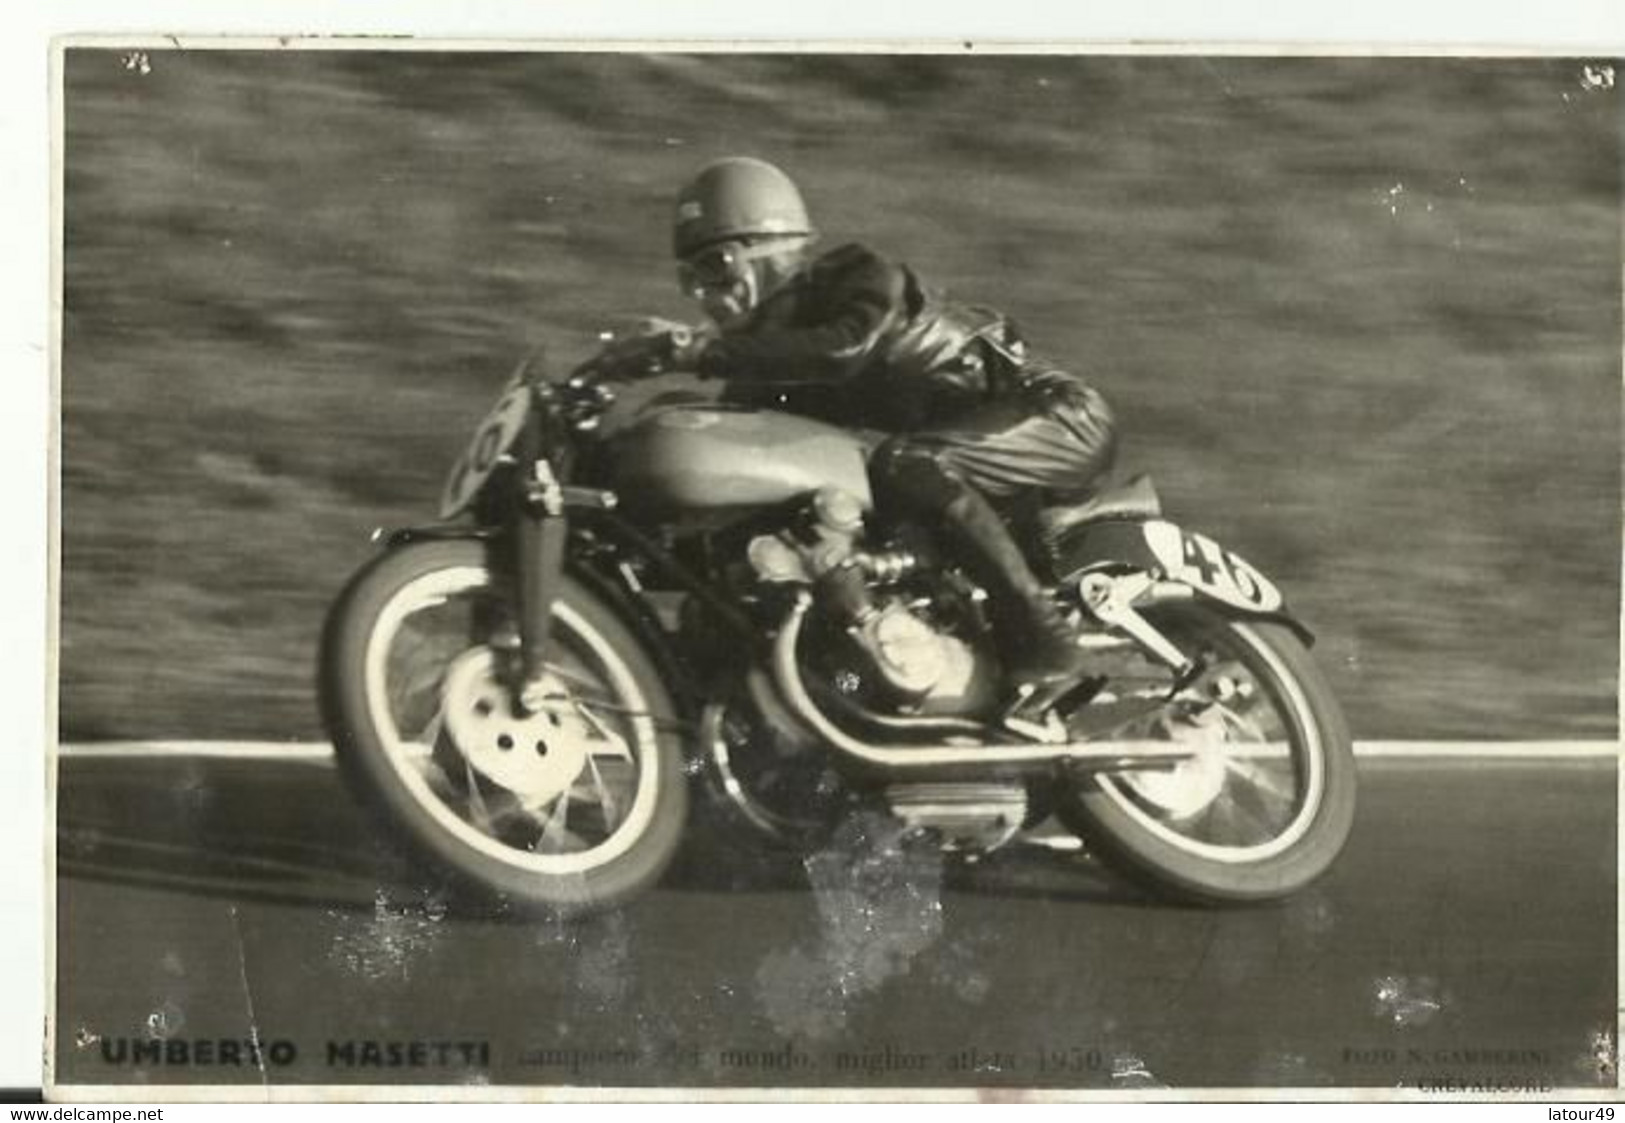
<point x="574" y="806"/>
<point x="1266" y="803"/>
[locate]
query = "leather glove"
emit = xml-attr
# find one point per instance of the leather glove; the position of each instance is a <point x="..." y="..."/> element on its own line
<point x="682" y="343"/>
<point x="655" y="346"/>
<point x="631" y="355"/>
<point x="687" y="345"/>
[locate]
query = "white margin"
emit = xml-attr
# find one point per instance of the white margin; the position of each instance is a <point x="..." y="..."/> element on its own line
<point x="320" y="751"/>
<point x="1594" y="26"/>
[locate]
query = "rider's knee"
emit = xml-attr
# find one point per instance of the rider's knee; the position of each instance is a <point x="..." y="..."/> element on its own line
<point x="905" y="472"/>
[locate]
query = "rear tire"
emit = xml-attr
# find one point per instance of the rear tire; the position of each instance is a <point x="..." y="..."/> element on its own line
<point x="423" y="791"/>
<point x="1159" y="845"/>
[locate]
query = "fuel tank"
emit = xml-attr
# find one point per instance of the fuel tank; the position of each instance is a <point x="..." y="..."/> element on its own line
<point x="710" y="461"/>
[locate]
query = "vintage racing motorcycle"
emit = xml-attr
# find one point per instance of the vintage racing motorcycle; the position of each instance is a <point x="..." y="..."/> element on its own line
<point x="620" y="600"/>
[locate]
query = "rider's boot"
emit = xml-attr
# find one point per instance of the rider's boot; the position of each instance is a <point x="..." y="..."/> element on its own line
<point x="1038" y="645"/>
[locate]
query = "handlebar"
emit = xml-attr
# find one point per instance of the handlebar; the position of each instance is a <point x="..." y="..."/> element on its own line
<point x="588" y="390"/>
<point x="658" y="347"/>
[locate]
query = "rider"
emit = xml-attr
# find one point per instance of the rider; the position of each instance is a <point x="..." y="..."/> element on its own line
<point x="973" y="416"/>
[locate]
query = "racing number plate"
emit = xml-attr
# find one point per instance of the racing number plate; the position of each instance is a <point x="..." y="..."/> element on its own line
<point x="1202" y="563"/>
<point x="491" y="440"/>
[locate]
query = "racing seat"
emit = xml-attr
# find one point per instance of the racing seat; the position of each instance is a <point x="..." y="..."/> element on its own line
<point x="1134" y="498"/>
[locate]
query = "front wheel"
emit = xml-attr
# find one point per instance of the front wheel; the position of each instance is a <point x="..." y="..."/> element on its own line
<point x="573" y="803"/>
<point x="1266" y="800"/>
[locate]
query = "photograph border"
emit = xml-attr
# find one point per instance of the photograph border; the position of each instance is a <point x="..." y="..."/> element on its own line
<point x="527" y="43"/>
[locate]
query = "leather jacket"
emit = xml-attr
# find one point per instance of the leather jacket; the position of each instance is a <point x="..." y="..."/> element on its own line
<point x="889" y="354"/>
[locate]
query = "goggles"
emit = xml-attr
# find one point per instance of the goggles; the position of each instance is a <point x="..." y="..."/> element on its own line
<point x="719" y="267"/>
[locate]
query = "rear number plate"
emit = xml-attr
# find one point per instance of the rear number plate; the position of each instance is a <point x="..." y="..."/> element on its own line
<point x="1202" y="563"/>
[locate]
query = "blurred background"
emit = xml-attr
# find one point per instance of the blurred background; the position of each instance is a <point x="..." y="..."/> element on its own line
<point x="1360" y="318"/>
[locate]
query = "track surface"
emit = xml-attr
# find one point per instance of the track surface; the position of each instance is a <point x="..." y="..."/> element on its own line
<point x="1467" y="934"/>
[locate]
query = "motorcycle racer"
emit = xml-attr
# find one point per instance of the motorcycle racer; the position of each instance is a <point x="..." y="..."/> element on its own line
<point x="974" y="419"/>
<point x="507" y="689"/>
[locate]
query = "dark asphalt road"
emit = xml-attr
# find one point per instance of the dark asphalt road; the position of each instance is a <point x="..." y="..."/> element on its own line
<point x="1468" y="933"/>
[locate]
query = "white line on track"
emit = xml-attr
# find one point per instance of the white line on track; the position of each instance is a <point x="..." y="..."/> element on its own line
<point x="218" y="750"/>
<point x="321" y="751"/>
<point x="1489" y="750"/>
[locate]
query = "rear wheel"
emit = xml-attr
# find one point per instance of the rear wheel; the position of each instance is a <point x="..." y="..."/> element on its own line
<point x="1266" y="801"/>
<point x="577" y="804"/>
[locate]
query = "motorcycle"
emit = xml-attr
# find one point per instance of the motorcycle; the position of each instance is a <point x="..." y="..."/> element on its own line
<point x="524" y="690"/>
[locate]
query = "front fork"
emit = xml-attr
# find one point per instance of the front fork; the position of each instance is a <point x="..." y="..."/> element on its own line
<point x="540" y="534"/>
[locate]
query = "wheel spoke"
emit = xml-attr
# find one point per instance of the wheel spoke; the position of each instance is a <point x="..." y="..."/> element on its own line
<point x="1242" y="723"/>
<point x="1223" y="824"/>
<point x="426" y="677"/>
<point x="430" y="733"/>
<point x="615" y="745"/>
<point x="606" y="798"/>
<point x="1244" y="802"/>
<point x="556" y="836"/>
<point x="586" y="688"/>
<point x="420" y="687"/>
<point x="557" y="819"/>
<point x="421" y="751"/>
<point x="478" y="812"/>
<point x="1257" y="776"/>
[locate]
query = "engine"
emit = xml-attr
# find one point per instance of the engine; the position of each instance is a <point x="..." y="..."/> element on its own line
<point x="897" y="636"/>
<point x="891" y="648"/>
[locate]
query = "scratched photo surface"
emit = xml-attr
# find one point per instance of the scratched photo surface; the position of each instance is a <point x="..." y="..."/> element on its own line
<point x="1360" y="319"/>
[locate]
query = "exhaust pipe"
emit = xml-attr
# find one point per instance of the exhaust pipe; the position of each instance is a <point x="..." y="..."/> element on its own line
<point x="786" y="671"/>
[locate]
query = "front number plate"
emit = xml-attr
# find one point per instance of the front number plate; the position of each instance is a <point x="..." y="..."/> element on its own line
<point x="1202" y="563"/>
<point x="491" y="440"/>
